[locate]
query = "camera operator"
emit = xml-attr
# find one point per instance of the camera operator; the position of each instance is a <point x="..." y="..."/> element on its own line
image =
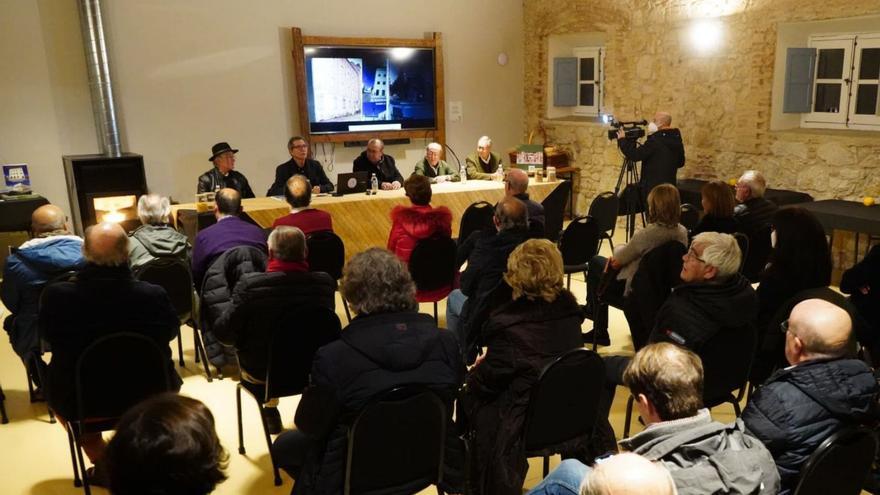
<point x="661" y="154"/>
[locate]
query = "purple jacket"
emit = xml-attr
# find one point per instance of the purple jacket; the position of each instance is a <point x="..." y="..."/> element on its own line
<point x="227" y="233"/>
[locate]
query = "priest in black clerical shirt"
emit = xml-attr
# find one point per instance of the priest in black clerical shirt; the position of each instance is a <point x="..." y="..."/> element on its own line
<point x="223" y="174"/>
<point x="300" y="163"/>
<point x="375" y="161"/>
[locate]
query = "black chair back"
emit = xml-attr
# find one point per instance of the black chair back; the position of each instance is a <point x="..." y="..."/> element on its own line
<point x="554" y="210"/>
<point x="564" y="402"/>
<point x="580" y="241"/>
<point x="659" y="271"/>
<point x="172" y="274"/>
<point x="727" y="359"/>
<point x="840" y="465"/>
<point x="299" y="334"/>
<point x="690" y="216"/>
<point x="396" y="443"/>
<point x="477" y="216"/>
<point x="759" y="253"/>
<point x="117" y="371"/>
<point x="432" y="263"/>
<point x="604" y="210"/>
<point x="326" y="253"/>
<point x="742" y="241"/>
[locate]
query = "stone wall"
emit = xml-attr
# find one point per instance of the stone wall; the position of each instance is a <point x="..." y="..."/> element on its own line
<point x="721" y="101"/>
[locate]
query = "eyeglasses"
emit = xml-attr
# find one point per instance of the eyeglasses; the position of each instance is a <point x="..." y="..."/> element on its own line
<point x="300" y="146"/>
<point x="693" y="255"/>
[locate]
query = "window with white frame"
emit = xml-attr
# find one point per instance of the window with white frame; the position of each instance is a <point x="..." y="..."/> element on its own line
<point x="845" y="82"/>
<point x="589" y="83"/>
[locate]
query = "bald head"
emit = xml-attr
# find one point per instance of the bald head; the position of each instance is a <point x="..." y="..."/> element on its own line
<point x="48" y="218"/>
<point x="511" y="213"/>
<point x="517" y="181"/>
<point x="106" y="244"/>
<point x="628" y="474"/>
<point x="817" y="329"/>
<point x="298" y="192"/>
<point x="663" y="119"/>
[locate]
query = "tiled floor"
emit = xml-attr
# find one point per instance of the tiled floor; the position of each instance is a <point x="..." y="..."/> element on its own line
<point x="34" y="457"/>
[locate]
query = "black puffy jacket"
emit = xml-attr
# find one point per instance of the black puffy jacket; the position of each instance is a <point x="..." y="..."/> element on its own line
<point x="792" y="424"/>
<point x="259" y="302"/>
<point x="216" y="299"/>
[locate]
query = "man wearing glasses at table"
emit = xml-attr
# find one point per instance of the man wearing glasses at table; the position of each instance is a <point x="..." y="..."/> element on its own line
<point x="300" y="163"/>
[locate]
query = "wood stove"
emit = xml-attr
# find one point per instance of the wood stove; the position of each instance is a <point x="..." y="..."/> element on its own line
<point x="104" y="188"/>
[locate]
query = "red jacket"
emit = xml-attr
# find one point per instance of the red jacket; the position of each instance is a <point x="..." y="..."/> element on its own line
<point x="411" y="224"/>
<point x="309" y="220"/>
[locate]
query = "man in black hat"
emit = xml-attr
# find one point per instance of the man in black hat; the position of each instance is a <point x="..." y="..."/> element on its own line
<point x="301" y="164"/>
<point x="223" y="175"/>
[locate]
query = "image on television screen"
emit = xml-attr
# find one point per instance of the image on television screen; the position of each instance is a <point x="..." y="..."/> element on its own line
<point x="353" y="89"/>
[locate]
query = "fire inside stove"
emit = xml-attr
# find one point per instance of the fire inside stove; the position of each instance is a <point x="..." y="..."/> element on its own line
<point x="115" y="209"/>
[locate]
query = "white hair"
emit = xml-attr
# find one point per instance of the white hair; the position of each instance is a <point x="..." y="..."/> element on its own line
<point x="755" y="181"/>
<point x="153" y="209"/>
<point x="721" y="251"/>
<point x="435" y="146"/>
<point x="484" y="141"/>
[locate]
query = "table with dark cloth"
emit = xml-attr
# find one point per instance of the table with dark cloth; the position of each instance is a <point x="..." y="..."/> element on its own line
<point x="689" y="190"/>
<point x="839" y="214"/>
<point x="15" y="212"/>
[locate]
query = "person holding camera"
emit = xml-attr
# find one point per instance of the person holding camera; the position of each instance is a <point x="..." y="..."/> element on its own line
<point x="661" y="154"/>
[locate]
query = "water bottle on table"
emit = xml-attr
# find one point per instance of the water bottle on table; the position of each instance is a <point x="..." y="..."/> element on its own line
<point x="462" y="170"/>
<point x="374" y="184"/>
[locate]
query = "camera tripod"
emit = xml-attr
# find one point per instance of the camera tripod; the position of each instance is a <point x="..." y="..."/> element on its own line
<point x="630" y="173"/>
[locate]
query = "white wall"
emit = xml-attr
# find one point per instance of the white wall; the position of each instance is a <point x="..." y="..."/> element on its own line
<point x="189" y="74"/>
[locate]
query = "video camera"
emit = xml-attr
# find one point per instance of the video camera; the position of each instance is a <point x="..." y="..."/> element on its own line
<point x="632" y="130"/>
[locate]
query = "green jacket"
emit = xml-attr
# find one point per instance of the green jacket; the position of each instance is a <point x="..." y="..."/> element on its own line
<point x="443" y="168"/>
<point x="475" y="168"/>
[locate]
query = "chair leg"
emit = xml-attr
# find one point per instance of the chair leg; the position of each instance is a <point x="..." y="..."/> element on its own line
<point x="4" y="419"/>
<point x="240" y="426"/>
<point x="546" y="466"/>
<point x="82" y="463"/>
<point x="347" y="312"/>
<point x="275" y="471"/>
<point x="180" y="361"/>
<point x="736" y="408"/>
<point x="568" y="281"/>
<point x="436" y="320"/>
<point x="628" y="420"/>
<point x="200" y="350"/>
<point x="51" y="415"/>
<point x="77" y="481"/>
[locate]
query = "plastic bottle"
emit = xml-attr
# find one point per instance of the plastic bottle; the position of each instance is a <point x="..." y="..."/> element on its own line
<point x="462" y="171"/>
<point x="374" y="184"/>
<point x="499" y="173"/>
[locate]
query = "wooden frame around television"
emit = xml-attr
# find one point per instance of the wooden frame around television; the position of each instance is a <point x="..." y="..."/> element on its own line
<point x="434" y="40"/>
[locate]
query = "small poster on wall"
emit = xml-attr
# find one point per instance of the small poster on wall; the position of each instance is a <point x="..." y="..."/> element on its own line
<point x="16" y="177"/>
<point x="530" y="154"/>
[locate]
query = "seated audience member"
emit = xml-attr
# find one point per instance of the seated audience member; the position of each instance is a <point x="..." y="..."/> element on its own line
<point x="432" y="167"/>
<point x="52" y="251"/>
<point x="300" y="164"/>
<point x="486" y="255"/>
<point x="155" y="238"/>
<point x="713" y="297"/>
<point x="388" y="344"/>
<point x="298" y="194"/>
<point x="223" y="174"/>
<point x="718" y="203"/>
<point x="664" y="212"/>
<point x="621" y="474"/>
<point x="373" y="160"/>
<point x="483" y="165"/>
<point x="229" y="231"/>
<point x="819" y="393"/>
<point x="862" y="282"/>
<point x="103" y="300"/>
<point x="261" y="301"/>
<point x="515" y="185"/>
<point x="800" y="260"/>
<point x="540" y="322"/>
<point x="420" y="221"/>
<point x="753" y="211"/>
<point x="166" y="445"/>
<point x="702" y="456"/>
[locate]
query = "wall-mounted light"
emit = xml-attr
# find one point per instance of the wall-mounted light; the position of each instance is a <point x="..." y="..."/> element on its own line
<point x="706" y="35"/>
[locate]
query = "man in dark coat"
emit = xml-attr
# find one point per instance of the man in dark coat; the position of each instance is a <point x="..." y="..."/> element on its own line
<point x="300" y="163"/>
<point x="862" y="282"/>
<point x="821" y="392"/>
<point x="388" y="344"/>
<point x="103" y="300"/>
<point x="229" y="231"/>
<point x="261" y="301"/>
<point x="486" y="256"/>
<point x="374" y="161"/>
<point x="223" y="174"/>
<point x="662" y="153"/>
<point x="52" y="252"/>
<point x="753" y="212"/>
<point x="515" y="185"/>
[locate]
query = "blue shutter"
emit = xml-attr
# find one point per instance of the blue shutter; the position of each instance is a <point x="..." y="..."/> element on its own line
<point x="800" y="65"/>
<point x="565" y="81"/>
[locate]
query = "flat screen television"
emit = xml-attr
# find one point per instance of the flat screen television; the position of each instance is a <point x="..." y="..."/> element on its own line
<point x="354" y="89"/>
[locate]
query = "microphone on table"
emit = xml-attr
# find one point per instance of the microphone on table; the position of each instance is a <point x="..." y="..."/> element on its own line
<point x="454" y="155"/>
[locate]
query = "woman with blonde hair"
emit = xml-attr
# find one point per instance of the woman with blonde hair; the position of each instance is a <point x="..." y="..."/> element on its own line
<point x="664" y="213"/>
<point x="539" y="322"/>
